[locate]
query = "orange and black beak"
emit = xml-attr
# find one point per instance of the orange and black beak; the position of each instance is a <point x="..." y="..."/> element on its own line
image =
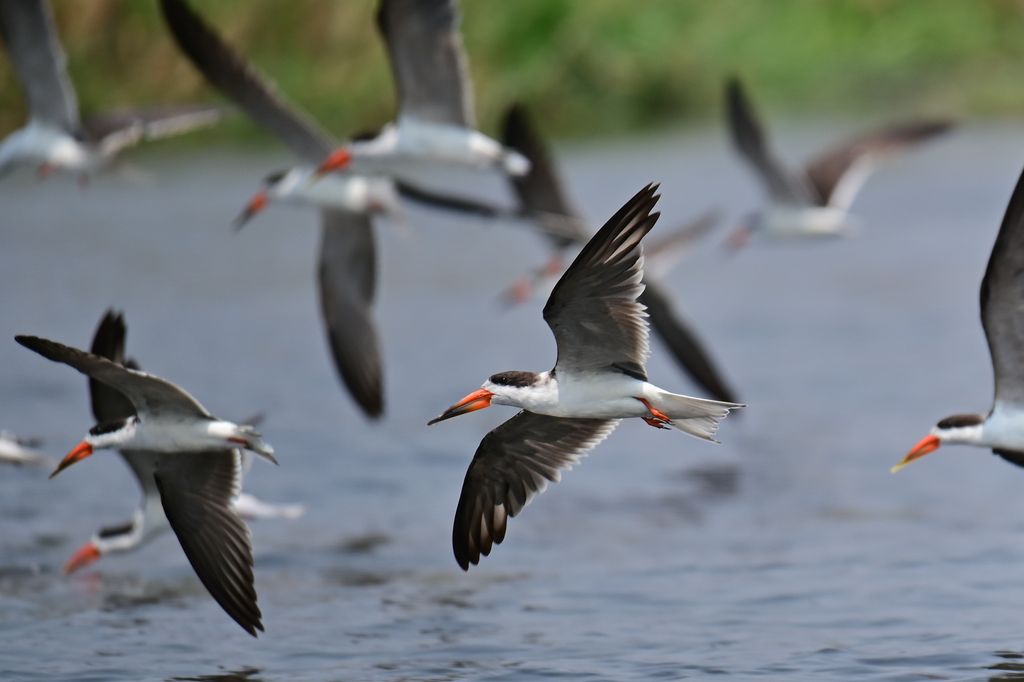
<point x="923" y="447"/>
<point x="80" y="452"/>
<point x="85" y="555"/>
<point x="255" y="205"/>
<point x="338" y="160"/>
<point x="477" y="400"/>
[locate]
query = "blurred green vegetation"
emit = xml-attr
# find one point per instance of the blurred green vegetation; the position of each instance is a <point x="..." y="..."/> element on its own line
<point x="584" y="67"/>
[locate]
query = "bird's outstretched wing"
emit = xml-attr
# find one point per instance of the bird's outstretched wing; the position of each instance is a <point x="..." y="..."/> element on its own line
<point x="147" y="392"/>
<point x="347" y="278"/>
<point x="749" y="138"/>
<point x="428" y="61"/>
<point x="197" y="490"/>
<point x="1002" y="291"/>
<point x="28" y="32"/>
<point x="838" y="174"/>
<point x="240" y="81"/>
<point x="513" y="463"/>
<point x="593" y="310"/>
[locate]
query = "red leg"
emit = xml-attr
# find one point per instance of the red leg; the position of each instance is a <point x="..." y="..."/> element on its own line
<point x="656" y="423"/>
<point x="658" y="419"/>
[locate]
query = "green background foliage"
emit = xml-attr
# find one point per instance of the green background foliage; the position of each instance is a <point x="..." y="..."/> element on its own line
<point x="585" y="67"/>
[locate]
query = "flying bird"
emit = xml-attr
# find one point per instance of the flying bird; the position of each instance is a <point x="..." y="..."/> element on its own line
<point x="198" y="470"/>
<point x="55" y="137"/>
<point x="541" y="193"/>
<point x="599" y="377"/>
<point x="347" y="272"/>
<point x="1002" y="317"/>
<point x="18" y="451"/>
<point x="149" y="520"/>
<point x="815" y="200"/>
<point x="435" y="125"/>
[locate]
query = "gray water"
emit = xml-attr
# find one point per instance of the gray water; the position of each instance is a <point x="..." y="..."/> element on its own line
<point x="788" y="552"/>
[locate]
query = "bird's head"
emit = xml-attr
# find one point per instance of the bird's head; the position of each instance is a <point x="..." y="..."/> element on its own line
<point x="273" y="185"/>
<point x="112" y="539"/>
<point x="504" y="388"/>
<point x="960" y="428"/>
<point x="109" y="434"/>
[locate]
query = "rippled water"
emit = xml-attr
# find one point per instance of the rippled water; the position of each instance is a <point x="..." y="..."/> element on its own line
<point x="789" y="552"/>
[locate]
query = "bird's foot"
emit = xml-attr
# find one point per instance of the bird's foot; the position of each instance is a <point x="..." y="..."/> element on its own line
<point x="658" y="419"/>
<point x="655" y="422"/>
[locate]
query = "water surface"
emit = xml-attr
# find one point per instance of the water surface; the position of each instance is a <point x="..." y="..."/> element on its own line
<point x="788" y="552"/>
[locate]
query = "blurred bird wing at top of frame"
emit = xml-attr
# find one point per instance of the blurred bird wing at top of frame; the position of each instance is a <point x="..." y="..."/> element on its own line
<point x="347" y="267"/>
<point x="784" y="186"/>
<point x="838" y="174"/>
<point x="244" y="84"/>
<point x="428" y="60"/>
<point x="28" y="32"/>
<point x="540" y="191"/>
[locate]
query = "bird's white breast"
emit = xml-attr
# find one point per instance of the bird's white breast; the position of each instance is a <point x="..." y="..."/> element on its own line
<point x="597" y="395"/>
<point x="1004" y="428"/>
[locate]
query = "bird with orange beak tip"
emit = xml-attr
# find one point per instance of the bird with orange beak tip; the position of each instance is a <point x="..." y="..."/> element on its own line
<point x="1002" y="303"/>
<point x="926" y="445"/>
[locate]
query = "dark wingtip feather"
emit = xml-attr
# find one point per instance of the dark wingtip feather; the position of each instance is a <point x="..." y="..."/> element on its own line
<point x="516" y="126"/>
<point x="109" y="339"/>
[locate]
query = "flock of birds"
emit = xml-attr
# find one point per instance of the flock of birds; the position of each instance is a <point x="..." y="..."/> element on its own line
<point x="190" y="464"/>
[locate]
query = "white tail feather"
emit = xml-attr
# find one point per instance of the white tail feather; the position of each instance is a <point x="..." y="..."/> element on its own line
<point x="696" y="416"/>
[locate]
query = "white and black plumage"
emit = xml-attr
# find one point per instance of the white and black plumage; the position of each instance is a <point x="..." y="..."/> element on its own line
<point x="55" y="138"/>
<point x="435" y="125"/>
<point x="541" y="193"/>
<point x="149" y="520"/>
<point x="1002" y="316"/>
<point x="814" y="201"/>
<point x="198" y="470"/>
<point x="599" y="377"/>
<point x="347" y="201"/>
<point x="20" y="451"/>
<point x="348" y="258"/>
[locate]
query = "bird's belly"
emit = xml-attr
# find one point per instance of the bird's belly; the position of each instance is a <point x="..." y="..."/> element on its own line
<point x="174" y="436"/>
<point x="600" y="396"/>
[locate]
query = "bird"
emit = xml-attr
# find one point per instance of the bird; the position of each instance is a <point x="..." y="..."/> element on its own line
<point x="19" y="451"/>
<point x="541" y="192"/>
<point x="198" y="470"/>
<point x="599" y="377"/>
<point x="814" y="201"/>
<point x="347" y="271"/>
<point x="1002" y="429"/>
<point x="148" y="521"/>
<point x="435" y="126"/>
<point x="55" y="138"/>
